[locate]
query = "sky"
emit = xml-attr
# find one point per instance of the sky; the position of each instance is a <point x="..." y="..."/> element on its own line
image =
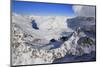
<point x="37" y="8"/>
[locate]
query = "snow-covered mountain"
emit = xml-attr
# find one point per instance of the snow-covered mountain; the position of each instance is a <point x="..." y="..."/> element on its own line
<point x="85" y="23"/>
<point x="43" y="39"/>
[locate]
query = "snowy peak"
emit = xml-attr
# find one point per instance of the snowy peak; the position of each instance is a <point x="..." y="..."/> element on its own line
<point x="43" y="39"/>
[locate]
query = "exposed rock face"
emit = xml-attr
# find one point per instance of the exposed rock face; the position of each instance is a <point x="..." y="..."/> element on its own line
<point x="34" y="25"/>
<point x="49" y="42"/>
<point x="85" y="23"/>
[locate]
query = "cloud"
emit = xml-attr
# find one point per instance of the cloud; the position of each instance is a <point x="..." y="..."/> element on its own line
<point x="81" y="10"/>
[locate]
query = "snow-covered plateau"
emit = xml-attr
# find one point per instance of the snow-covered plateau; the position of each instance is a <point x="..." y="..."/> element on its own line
<point x="52" y="39"/>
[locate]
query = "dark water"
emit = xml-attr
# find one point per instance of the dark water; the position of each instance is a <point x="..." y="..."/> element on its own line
<point x="73" y="58"/>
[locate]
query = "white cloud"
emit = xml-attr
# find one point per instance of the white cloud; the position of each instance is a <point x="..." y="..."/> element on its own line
<point x="84" y="10"/>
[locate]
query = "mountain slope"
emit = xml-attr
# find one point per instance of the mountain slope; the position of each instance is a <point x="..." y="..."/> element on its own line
<point x="54" y="39"/>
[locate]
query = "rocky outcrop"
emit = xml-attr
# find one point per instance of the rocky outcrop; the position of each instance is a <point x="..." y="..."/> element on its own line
<point x="85" y="23"/>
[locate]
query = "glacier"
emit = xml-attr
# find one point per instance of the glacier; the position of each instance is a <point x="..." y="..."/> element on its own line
<point x="51" y="38"/>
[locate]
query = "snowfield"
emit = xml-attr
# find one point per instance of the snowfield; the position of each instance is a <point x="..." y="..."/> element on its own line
<point x="48" y="38"/>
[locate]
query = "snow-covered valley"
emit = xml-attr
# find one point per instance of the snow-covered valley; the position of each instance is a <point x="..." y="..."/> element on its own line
<point x="44" y="39"/>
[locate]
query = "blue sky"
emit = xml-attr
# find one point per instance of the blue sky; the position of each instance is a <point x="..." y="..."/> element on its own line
<point x="36" y="8"/>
